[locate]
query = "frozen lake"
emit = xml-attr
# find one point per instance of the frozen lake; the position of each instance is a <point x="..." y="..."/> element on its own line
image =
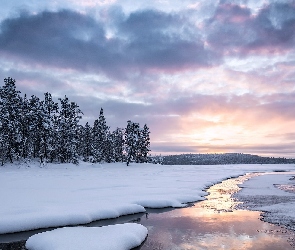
<point x="214" y="224"/>
<point x="210" y="224"/>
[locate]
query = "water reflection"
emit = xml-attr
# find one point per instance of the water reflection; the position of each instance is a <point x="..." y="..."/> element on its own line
<point x="214" y="224"/>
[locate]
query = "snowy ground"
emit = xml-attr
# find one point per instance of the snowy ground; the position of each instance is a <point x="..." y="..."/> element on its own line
<point x="272" y="193"/>
<point x="65" y="194"/>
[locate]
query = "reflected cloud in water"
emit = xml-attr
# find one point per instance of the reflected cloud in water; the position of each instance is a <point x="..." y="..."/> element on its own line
<point x="214" y="224"/>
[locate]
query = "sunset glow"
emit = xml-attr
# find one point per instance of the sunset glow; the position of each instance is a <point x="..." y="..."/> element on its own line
<point x="206" y="76"/>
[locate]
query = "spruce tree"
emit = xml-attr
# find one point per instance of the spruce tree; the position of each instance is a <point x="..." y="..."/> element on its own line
<point x="100" y="139"/>
<point x="108" y="153"/>
<point x="67" y="122"/>
<point x="131" y="141"/>
<point x="118" y="145"/>
<point x="94" y="143"/>
<point x="86" y="141"/>
<point x="35" y="127"/>
<point x="10" y="110"/>
<point x="26" y="140"/>
<point x="144" y="145"/>
<point x="48" y="147"/>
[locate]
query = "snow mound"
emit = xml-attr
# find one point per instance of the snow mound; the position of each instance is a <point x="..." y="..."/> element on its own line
<point x="64" y="215"/>
<point x="115" y="237"/>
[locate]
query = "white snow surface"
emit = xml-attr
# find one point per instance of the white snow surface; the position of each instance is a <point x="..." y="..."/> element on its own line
<point x="66" y="194"/>
<point x="115" y="237"/>
<point x="264" y="186"/>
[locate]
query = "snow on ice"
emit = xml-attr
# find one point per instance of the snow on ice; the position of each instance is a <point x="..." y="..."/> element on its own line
<point x="115" y="237"/>
<point x="272" y="193"/>
<point x="66" y="194"/>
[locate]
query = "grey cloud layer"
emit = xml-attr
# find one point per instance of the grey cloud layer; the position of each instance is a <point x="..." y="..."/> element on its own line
<point x="144" y="40"/>
<point x="235" y="30"/>
<point x="165" y="115"/>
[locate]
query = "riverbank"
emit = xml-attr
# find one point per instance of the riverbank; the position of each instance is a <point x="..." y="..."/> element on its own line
<point x="273" y="194"/>
<point x="215" y="223"/>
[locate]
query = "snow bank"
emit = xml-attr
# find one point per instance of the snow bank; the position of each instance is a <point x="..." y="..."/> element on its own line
<point x="65" y="194"/>
<point x="115" y="237"/>
<point x="23" y="219"/>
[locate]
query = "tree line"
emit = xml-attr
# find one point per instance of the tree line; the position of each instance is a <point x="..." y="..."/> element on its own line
<point x="219" y="159"/>
<point x="31" y="128"/>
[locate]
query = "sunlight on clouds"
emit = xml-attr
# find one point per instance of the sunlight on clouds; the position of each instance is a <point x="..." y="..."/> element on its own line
<point x="223" y="130"/>
<point x="98" y="86"/>
<point x="211" y="118"/>
<point x="6" y="65"/>
<point x="262" y="79"/>
<point x="253" y="63"/>
<point x="213" y="80"/>
<point x="228" y="133"/>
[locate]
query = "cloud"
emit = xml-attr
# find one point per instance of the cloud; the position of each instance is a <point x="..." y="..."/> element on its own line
<point x="164" y="40"/>
<point x="53" y="38"/>
<point x="279" y="150"/>
<point x="201" y="75"/>
<point x="205" y="120"/>
<point x="121" y="45"/>
<point x="235" y="30"/>
<point x="283" y="136"/>
<point x="143" y="41"/>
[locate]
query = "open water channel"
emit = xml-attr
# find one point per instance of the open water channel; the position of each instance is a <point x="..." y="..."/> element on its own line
<point x="210" y="224"/>
<point x="215" y="223"/>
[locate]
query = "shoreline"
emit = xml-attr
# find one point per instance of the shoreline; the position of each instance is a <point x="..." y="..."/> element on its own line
<point x="219" y="217"/>
<point x="274" y="203"/>
<point x="240" y="183"/>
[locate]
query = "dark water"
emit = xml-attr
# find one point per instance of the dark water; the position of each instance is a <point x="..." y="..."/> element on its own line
<point x="210" y="224"/>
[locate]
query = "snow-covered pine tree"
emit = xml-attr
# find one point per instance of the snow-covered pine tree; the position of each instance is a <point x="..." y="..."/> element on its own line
<point x="69" y="116"/>
<point x="144" y="144"/>
<point x="131" y="141"/>
<point x="86" y="141"/>
<point x="26" y="140"/>
<point x="118" y="145"/>
<point x="108" y="154"/>
<point x="49" y="135"/>
<point x="10" y="110"/>
<point x="94" y="146"/>
<point x="35" y="122"/>
<point x="100" y="139"/>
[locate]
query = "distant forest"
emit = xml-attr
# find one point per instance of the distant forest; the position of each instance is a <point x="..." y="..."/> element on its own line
<point x="219" y="159"/>
<point x="31" y="128"/>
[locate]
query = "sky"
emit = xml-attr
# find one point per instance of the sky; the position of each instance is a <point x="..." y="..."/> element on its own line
<point x="206" y="76"/>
